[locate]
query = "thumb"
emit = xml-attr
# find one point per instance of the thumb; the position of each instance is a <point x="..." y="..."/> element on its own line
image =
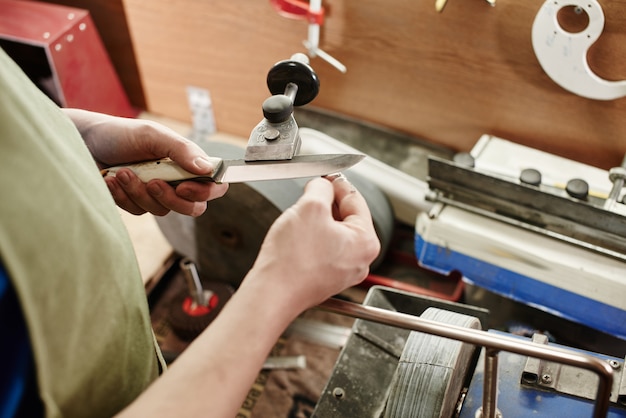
<point x="192" y="158"/>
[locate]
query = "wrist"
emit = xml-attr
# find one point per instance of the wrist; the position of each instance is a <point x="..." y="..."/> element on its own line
<point x="271" y="289"/>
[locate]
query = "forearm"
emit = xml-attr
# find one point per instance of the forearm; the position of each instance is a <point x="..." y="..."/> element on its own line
<point x="85" y="120"/>
<point x="216" y="371"/>
<point x="110" y="139"/>
<point x="308" y="255"/>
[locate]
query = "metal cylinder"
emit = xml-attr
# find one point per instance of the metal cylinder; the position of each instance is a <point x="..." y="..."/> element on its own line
<point x="490" y="385"/>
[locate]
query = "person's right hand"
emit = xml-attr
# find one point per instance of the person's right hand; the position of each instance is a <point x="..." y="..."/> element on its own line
<point x="320" y="246"/>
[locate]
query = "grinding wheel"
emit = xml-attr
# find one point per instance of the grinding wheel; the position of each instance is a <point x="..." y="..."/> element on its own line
<point x="225" y="240"/>
<point x="431" y="371"/>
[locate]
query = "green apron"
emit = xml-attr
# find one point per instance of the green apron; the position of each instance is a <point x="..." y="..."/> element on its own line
<point x="69" y="257"/>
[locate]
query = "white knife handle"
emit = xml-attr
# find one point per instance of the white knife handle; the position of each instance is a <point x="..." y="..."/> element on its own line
<point x="164" y="169"/>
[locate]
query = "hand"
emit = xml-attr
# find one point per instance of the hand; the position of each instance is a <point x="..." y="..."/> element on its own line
<point x="320" y="246"/>
<point x="115" y="141"/>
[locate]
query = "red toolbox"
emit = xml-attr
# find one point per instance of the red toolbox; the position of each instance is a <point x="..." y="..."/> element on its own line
<point x="61" y="51"/>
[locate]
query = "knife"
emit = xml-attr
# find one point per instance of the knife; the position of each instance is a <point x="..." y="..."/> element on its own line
<point x="237" y="171"/>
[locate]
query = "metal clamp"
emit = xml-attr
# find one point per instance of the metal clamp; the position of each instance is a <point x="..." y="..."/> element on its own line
<point x="569" y="380"/>
<point x="292" y="83"/>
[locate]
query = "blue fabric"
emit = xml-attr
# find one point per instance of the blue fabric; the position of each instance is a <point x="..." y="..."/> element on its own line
<point x="15" y="353"/>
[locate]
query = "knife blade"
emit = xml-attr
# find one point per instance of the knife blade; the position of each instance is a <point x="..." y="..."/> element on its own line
<point x="238" y="171"/>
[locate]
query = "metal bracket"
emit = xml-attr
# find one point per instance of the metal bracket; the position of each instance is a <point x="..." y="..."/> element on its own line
<point x="570" y="380"/>
<point x="273" y="141"/>
<point x="563" y="55"/>
<point x="292" y="83"/>
<point x="545" y="209"/>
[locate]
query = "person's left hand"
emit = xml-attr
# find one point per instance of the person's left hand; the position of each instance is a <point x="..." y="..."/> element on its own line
<point x="116" y="141"/>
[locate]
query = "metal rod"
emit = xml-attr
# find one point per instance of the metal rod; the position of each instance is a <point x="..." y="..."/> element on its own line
<point x="618" y="185"/>
<point x="291" y="90"/>
<point x="488" y="340"/>
<point x="193" y="282"/>
<point x="490" y="384"/>
<point x="617" y="176"/>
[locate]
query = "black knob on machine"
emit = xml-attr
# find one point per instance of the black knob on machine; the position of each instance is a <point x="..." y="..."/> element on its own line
<point x="298" y="72"/>
<point x="292" y="83"/>
<point x="277" y="108"/>
<point x="530" y="176"/>
<point x="577" y="188"/>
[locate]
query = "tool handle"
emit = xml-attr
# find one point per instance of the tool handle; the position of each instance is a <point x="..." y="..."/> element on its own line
<point x="164" y="169"/>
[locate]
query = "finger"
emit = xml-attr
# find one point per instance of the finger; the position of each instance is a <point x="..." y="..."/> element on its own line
<point x="320" y="190"/>
<point x="355" y="212"/>
<point x="200" y="191"/>
<point x="350" y="203"/>
<point x="168" y="198"/>
<point x="191" y="157"/>
<point x="121" y="198"/>
<point x="137" y="192"/>
<point x="331" y="178"/>
<point x="157" y="141"/>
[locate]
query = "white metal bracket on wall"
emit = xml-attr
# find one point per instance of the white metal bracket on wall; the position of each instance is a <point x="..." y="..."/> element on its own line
<point x="563" y="55"/>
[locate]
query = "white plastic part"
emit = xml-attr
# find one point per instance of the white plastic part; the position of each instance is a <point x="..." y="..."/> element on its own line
<point x="313" y="40"/>
<point x="315" y="6"/>
<point x="563" y="55"/>
<point x="325" y="56"/>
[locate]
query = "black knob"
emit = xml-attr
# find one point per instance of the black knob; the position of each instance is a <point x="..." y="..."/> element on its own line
<point x="298" y="73"/>
<point x="530" y="176"/>
<point x="277" y="108"/>
<point x="577" y="188"/>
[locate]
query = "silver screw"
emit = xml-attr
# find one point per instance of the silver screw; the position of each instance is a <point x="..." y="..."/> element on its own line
<point x="271" y="134"/>
<point x="338" y="393"/>
<point x="546" y="378"/>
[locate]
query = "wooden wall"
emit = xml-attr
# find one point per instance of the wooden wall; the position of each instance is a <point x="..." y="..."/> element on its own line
<point x="446" y="78"/>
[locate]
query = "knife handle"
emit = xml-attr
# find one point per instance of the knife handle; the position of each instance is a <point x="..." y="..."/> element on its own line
<point x="164" y="169"/>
